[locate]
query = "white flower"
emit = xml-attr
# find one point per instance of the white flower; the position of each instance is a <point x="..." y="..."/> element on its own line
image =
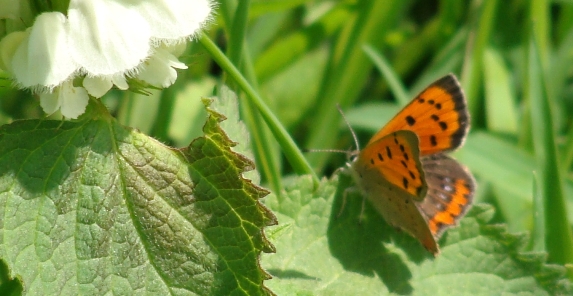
<point x="42" y="60"/>
<point x="100" y="85"/>
<point x="159" y="69"/>
<point x="174" y="19"/>
<point x="103" y="42"/>
<point x="106" y="37"/>
<point x="72" y="101"/>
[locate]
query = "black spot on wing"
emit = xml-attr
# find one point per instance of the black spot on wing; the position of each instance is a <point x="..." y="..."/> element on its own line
<point x="410" y="120"/>
<point x="433" y="140"/>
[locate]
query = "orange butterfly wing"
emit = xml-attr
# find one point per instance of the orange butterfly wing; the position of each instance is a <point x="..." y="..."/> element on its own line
<point x="411" y="184"/>
<point x="390" y="175"/>
<point x="438" y="116"/>
<point x="450" y="192"/>
<point x="394" y="159"/>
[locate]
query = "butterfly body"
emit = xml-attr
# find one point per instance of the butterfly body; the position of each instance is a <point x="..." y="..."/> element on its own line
<point x="404" y="173"/>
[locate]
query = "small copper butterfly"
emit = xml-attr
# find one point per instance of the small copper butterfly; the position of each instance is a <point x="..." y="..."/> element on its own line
<point x="404" y="172"/>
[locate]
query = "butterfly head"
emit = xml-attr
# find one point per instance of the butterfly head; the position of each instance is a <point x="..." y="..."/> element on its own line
<point x="352" y="156"/>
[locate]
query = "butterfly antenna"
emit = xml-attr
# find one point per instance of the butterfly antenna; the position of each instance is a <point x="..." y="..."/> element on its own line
<point x="349" y="127"/>
<point x="326" y="150"/>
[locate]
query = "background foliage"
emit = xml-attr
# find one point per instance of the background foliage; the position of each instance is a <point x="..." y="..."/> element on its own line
<point x="299" y="58"/>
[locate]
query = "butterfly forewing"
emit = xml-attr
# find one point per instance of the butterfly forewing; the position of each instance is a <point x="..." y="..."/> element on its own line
<point x="450" y="192"/>
<point x="396" y="160"/>
<point x="438" y="116"/>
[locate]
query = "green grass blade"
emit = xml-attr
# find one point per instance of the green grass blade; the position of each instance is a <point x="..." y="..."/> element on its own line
<point x="290" y="47"/>
<point x="387" y="72"/>
<point x="268" y="158"/>
<point x="559" y="239"/>
<point x="448" y="59"/>
<point x="538" y="233"/>
<point x="237" y="53"/>
<point x="471" y="73"/>
<point x="348" y="71"/>
<point x="499" y="99"/>
<point x="237" y="31"/>
<point x="289" y="147"/>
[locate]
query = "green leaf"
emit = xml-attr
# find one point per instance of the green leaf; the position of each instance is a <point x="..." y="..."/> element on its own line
<point x="322" y="254"/>
<point x="92" y="207"/>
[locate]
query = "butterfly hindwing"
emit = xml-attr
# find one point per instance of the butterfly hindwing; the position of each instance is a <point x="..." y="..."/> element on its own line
<point x="438" y="116"/>
<point x="450" y="192"/>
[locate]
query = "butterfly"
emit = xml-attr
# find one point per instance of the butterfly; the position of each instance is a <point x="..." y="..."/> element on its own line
<point x="404" y="171"/>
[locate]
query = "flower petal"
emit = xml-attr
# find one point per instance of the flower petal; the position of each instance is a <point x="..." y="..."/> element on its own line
<point x="106" y="37"/>
<point x="50" y="102"/>
<point x="120" y="82"/>
<point x="43" y="58"/>
<point x="97" y="86"/>
<point x="174" y="19"/>
<point x="74" y="100"/>
<point x="159" y="70"/>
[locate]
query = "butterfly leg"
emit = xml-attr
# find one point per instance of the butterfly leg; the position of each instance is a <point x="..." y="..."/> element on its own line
<point x="362" y="210"/>
<point x="344" y="195"/>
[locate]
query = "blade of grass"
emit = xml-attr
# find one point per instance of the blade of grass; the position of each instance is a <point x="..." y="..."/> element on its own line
<point x="268" y="157"/>
<point x="290" y="149"/>
<point x="539" y="14"/>
<point x="565" y="22"/>
<point x="281" y="53"/>
<point x="501" y="114"/>
<point x="348" y="70"/>
<point x="388" y="73"/>
<point x="479" y="38"/>
<point x="262" y="145"/>
<point x="558" y="238"/>
<point x="538" y="233"/>
<point x="415" y="49"/>
<point x="264" y="6"/>
<point x="567" y="159"/>
<point x="237" y="31"/>
<point x="448" y="59"/>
